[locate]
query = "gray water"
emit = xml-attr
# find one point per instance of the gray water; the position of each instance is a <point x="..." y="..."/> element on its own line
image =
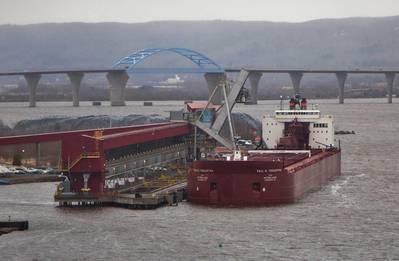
<point x="355" y="217"/>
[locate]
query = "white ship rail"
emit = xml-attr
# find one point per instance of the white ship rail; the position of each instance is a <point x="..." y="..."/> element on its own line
<point x="280" y="152"/>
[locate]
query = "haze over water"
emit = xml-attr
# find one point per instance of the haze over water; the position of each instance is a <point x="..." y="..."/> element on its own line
<point x="353" y="217"/>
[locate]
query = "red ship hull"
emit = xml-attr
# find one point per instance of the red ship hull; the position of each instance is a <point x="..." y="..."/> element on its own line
<point x="261" y="180"/>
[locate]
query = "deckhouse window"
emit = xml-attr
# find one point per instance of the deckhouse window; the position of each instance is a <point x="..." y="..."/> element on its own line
<point x="320" y="125"/>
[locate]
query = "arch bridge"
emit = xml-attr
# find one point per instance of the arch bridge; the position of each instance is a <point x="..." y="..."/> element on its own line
<point x="118" y="75"/>
<point x="204" y="64"/>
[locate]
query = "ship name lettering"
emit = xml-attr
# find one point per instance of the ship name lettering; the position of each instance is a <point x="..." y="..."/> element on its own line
<point x="268" y="170"/>
<point x="274" y="170"/>
<point x="270" y="178"/>
<point x="203" y="170"/>
<point x="202" y="178"/>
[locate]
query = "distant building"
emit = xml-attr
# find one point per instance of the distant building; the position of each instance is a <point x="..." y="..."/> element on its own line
<point x="173" y="82"/>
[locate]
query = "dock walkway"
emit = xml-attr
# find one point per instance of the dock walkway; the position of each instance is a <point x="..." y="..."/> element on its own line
<point x="169" y="195"/>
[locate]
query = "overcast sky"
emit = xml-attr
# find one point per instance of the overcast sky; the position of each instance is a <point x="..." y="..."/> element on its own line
<point x="131" y="11"/>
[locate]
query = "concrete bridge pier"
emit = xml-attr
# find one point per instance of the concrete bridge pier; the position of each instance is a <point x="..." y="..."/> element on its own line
<point x="296" y="78"/>
<point x="76" y="80"/>
<point x="118" y="81"/>
<point x="390" y="77"/>
<point x="32" y="80"/>
<point x="341" y="78"/>
<point x="254" y="78"/>
<point x="213" y="80"/>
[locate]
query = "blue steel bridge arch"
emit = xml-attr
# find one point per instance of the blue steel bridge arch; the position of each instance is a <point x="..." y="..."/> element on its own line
<point x="204" y="64"/>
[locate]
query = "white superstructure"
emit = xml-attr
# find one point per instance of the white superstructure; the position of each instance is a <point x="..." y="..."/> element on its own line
<point x="320" y="127"/>
<point x="174" y="80"/>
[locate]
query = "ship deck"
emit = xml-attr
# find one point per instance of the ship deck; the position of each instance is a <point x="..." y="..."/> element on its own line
<point x="285" y="158"/>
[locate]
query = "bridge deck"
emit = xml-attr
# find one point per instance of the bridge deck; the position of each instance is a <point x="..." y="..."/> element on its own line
<point x="63" y="71"/>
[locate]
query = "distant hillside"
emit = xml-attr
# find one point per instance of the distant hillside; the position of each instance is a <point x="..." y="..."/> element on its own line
<point x="343" y="43"/>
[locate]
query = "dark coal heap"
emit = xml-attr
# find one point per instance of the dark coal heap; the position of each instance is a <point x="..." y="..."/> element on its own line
<point x="245" y="125"/>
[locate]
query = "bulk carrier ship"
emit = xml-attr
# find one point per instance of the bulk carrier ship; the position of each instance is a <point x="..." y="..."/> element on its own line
<point x="299" y="156"/>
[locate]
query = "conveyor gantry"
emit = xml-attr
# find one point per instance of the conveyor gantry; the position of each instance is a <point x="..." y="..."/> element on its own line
<point x="224" y="112"/>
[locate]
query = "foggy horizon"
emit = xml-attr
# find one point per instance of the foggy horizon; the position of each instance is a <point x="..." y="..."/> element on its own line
<point x="14" y="12"/>
<point x="209" y="20"/>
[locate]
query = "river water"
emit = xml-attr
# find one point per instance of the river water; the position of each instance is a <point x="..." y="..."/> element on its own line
<point x="354" y="217"/>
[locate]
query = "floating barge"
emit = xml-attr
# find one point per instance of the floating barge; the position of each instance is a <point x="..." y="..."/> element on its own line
<point x="10" y="226"/>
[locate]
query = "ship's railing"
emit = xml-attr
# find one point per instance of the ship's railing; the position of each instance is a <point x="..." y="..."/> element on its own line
<point x="292" y="114"/>
<point x="281" y="152"/>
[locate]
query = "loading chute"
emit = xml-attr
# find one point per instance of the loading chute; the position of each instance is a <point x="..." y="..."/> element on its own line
<point x="230" y="95"/>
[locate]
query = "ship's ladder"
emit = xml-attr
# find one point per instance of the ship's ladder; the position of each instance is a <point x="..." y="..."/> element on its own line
<point x="86" y="155"/>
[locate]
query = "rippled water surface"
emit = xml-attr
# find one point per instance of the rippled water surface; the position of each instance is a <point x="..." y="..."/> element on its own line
<point x="354" y="217"/>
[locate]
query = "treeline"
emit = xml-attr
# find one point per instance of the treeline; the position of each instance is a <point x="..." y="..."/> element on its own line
<point x="325" y="44"/>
